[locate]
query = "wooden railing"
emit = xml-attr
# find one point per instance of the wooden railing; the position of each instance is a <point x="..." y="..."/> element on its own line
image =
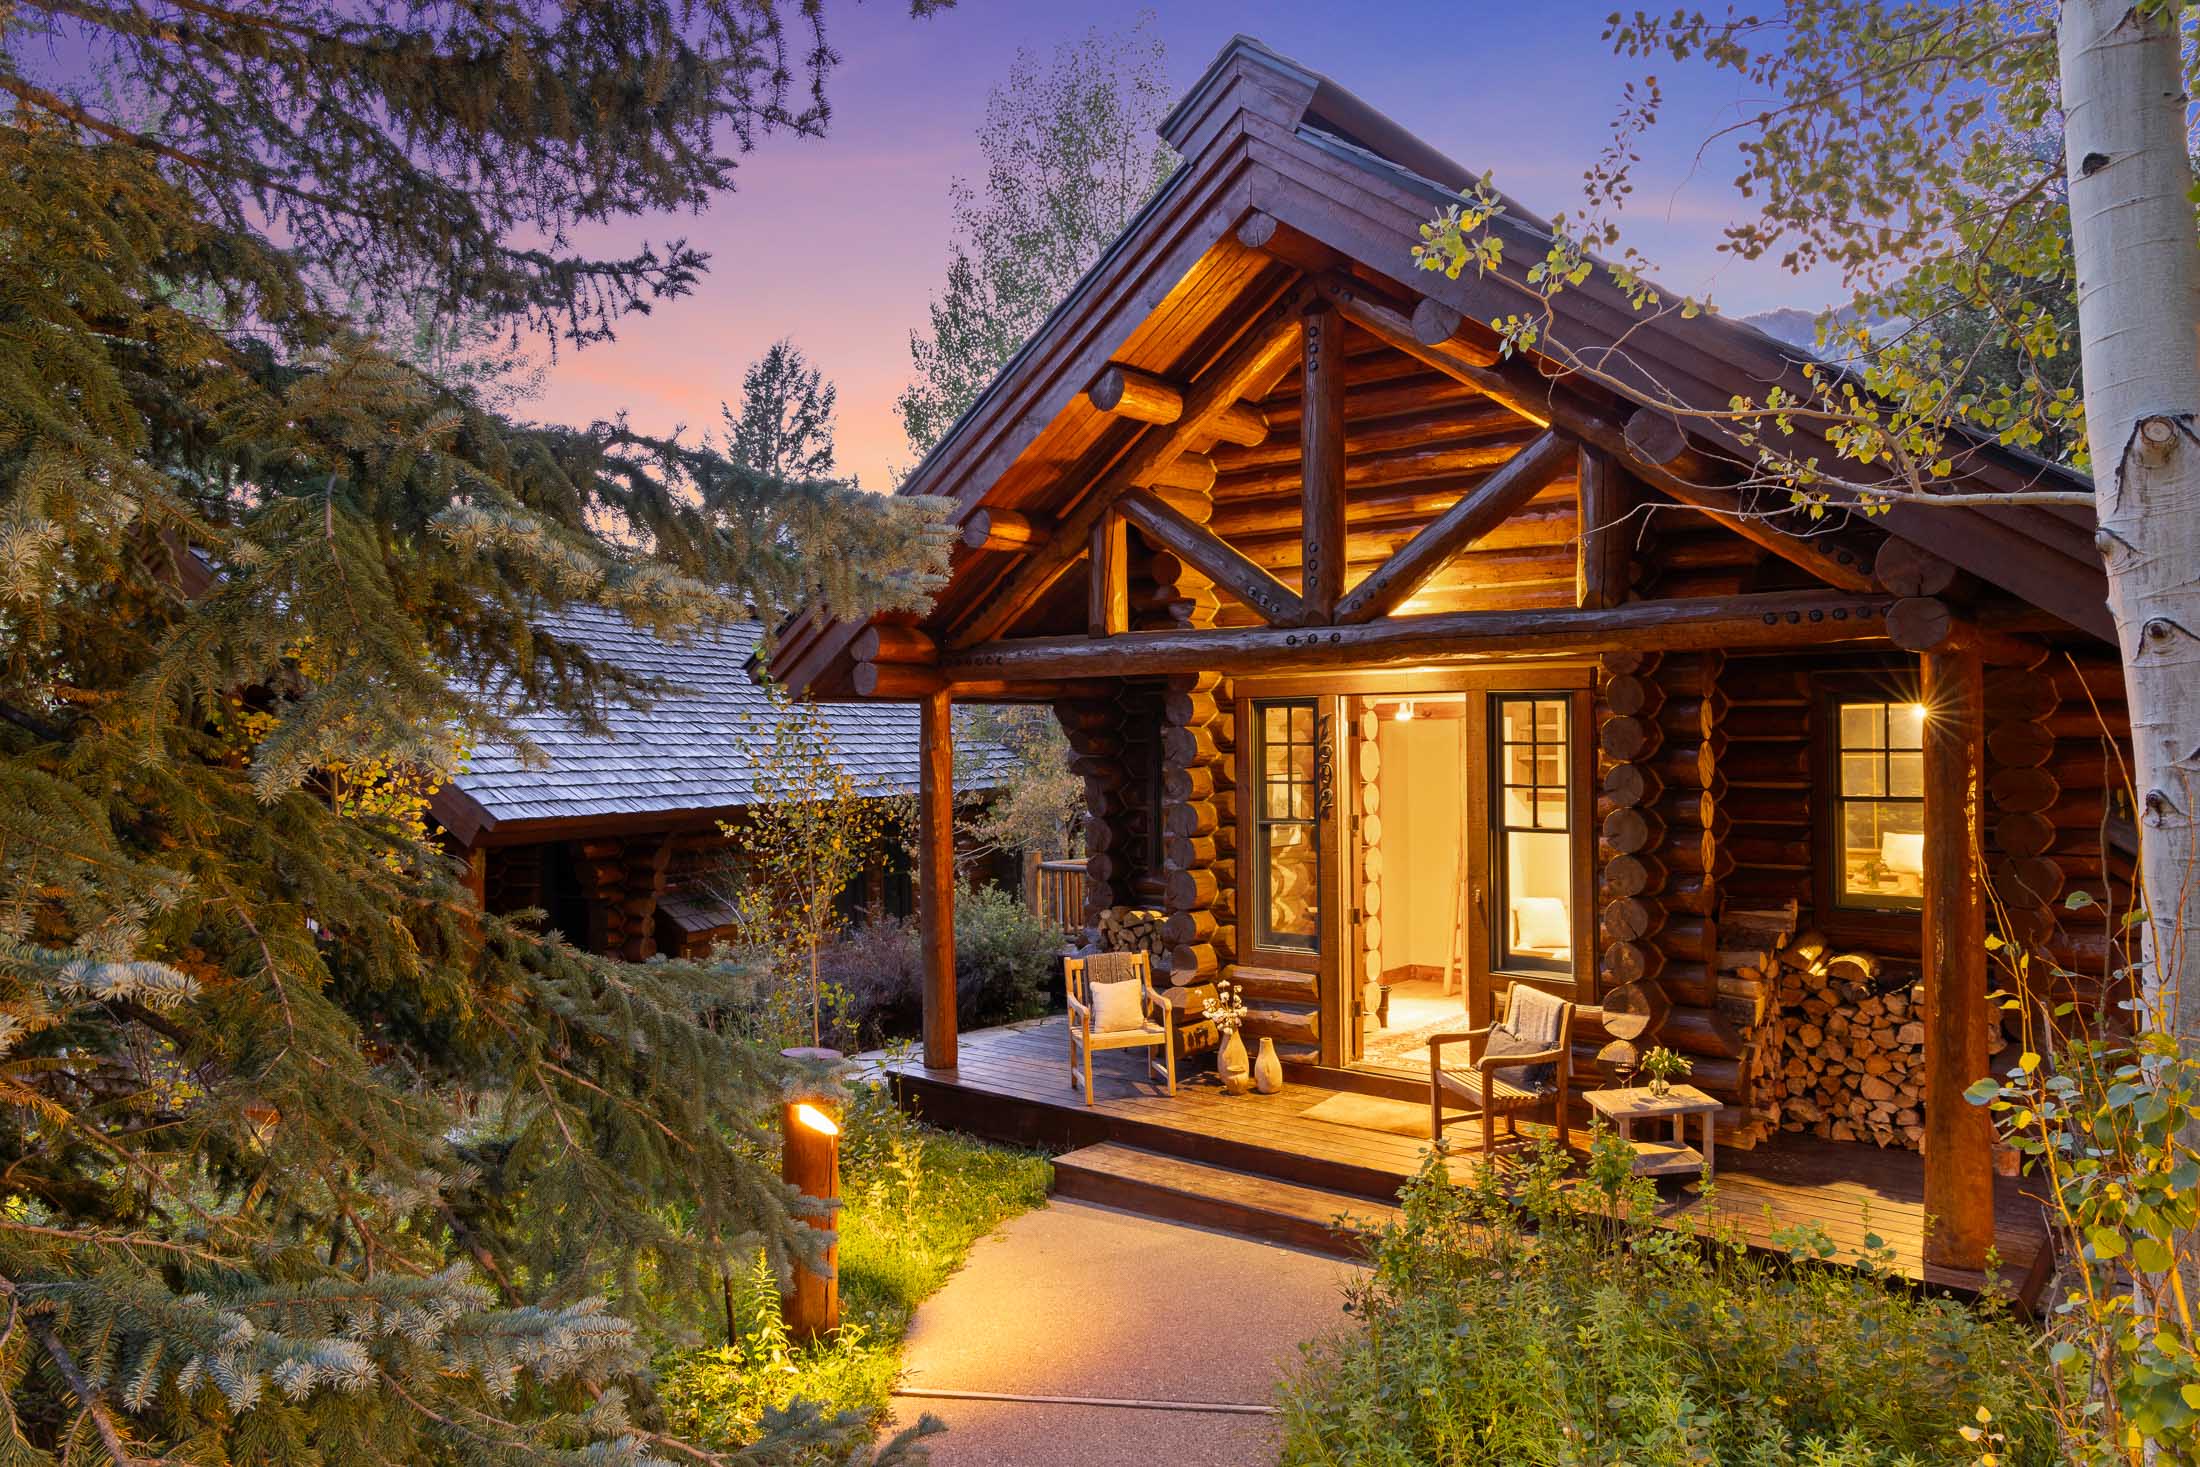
<point x="1059" y="893"/>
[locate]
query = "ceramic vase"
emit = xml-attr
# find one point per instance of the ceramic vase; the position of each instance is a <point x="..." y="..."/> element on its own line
<point x="1267" y="1069"/>
<point x="1230" y="1065"/>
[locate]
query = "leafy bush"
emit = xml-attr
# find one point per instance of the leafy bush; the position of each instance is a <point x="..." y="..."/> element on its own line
<point x="913" y="1200"/>
<point x="1545" y="1327"/>
<point x="1004" y="969"/>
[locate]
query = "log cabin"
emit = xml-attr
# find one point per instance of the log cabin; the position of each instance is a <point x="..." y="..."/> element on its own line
<point x="625" y="836"/>
<point x="1401" y="670"/>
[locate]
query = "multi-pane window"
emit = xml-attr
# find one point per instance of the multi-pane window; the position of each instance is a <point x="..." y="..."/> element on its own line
<point x="1534" y="866"/>
<point x="1285" y="846"/>
<point x="1879" y="805"/>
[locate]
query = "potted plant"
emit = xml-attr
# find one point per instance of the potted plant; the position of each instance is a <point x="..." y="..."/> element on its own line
<point x="1661" y="1067"/>
<point x="1226" y="1011"/>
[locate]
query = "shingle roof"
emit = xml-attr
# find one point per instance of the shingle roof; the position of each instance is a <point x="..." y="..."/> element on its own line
<point x="686" y="750"/>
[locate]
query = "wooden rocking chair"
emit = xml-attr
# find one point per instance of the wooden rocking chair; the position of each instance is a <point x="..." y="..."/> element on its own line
<point x="1157" y="1020"/>
<point x="1532" y="1018"/>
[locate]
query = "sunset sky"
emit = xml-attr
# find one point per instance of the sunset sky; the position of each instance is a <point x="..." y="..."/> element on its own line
<point x="839" y="242"/>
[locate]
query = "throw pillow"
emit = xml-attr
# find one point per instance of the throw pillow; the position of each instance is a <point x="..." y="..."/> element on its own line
<point x="1117" y="1006"/>
<point x="1503" y="1041"/>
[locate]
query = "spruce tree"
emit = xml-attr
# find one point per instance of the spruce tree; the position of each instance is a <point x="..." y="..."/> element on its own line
<point x="307" y="1159"/>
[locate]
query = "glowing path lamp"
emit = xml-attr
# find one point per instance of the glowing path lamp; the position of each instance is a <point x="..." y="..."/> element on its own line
<point x="810" y="1163"/>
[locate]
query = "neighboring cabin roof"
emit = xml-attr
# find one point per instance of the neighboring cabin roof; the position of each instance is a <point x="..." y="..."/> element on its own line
<point x="681" y="759"/>
<point x="1260" y="132"/>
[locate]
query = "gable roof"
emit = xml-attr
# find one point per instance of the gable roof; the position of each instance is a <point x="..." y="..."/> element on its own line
<point x="684" y="758"/>
<point x="1260" y="134"/>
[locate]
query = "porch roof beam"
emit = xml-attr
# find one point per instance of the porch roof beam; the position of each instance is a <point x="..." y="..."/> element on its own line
<point x="1770" y="619"/>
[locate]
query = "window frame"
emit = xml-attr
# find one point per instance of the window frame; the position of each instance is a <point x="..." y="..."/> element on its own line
<point x="1301" y="949"/>
<point x="1503" y="961"/>
<point x="1840" y="918"/>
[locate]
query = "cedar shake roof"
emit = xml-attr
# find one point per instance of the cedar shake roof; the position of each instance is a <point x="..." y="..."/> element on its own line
<point x="677" y="758"/>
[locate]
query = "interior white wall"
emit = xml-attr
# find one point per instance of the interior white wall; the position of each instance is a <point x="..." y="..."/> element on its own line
<point x="1424" y="820"/>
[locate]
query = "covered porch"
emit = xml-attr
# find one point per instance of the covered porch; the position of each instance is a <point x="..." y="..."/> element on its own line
<point x="1275" y="1162"/>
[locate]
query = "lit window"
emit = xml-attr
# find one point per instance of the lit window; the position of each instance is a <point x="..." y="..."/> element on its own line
<point x="1284" y="844"/>
<point x="1879" y="805"/>
<point x="1534" y="849"/>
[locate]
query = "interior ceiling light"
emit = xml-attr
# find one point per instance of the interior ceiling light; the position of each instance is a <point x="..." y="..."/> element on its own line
<point x="1405" y="711"/>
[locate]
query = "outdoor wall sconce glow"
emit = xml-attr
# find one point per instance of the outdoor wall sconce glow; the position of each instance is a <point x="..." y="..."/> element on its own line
<point x="810" y="1163"/>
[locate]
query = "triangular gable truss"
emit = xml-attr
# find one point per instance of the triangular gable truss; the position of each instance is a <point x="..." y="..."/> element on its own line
<point x="1278" y="235"/>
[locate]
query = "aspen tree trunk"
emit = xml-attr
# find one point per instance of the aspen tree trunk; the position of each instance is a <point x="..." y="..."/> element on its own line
<point x="2138" y="267"/>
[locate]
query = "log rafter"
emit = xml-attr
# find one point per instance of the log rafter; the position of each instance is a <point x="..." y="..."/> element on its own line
<point x="1251" y="360"/>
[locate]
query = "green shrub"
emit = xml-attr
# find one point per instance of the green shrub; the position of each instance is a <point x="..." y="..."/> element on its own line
<point x="1004" y="969"/>
<point x="1536" y="1329"/>
<point x="913" y="1200"/>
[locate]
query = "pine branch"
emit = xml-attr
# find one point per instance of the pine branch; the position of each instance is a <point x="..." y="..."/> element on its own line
<point x="41" y="1327"/>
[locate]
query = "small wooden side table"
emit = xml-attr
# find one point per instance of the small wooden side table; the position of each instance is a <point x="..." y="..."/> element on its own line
<point x="1661" y="1158"/>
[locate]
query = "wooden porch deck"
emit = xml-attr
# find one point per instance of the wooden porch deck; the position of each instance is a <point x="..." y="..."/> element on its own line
<point x="1012" y="1085"/>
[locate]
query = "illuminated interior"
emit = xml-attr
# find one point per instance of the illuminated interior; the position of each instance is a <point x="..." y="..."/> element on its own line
<point x="1420" y="928"/>
<point x="1284" y="837"/>
<point x="1880" y="814"/>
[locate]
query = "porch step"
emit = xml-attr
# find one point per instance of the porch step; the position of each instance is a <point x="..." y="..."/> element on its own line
<point x="1182" y="1190"/>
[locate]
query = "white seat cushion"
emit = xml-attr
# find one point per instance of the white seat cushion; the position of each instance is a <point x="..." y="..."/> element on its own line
<point x="1118" y="1007"/>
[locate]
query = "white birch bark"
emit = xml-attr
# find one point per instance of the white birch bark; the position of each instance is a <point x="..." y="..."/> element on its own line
<point x="2138" y="268"/>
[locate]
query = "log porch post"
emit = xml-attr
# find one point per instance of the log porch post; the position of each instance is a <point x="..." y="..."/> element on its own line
<point x="936" y="876"/>
<point x="1959" y="1136"/>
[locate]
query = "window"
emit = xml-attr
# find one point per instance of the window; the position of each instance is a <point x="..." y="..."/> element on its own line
<point x="1285" y="846"/>
<point x="1879" y="805"/>
<point x="1534" y="849"/>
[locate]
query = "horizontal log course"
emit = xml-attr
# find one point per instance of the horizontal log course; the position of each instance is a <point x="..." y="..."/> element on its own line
<point x="2020" y="743"/>
<point x="1686" y="1029"/>
<point x="1693" y="938"/>
<point x="1450" y="418"/>
<point x="1284" y="1026"/>
<point x="1632" y="832"/>
<point x="1630" y="962"/>
<point x="1628" y="738"/>
<point x="1627" y="785"/>
<point x="2021" y="694"/>
<point x="1691" y="719"/>
<point x="1273" y="986"/>
<point x="1194" y="963"/>
<point x="1777" y="765"/>
<point x="2024" y="833"/>
<point x="1631" y="696"/>
<point x="1767" y="619"/>
<point x="1630" y="919"/>
<point x="1633" y="875"/>
<point x="1144" y="398"/>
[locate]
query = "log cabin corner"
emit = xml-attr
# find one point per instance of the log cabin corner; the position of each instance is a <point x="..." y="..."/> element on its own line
<point x="1400" y="671"/>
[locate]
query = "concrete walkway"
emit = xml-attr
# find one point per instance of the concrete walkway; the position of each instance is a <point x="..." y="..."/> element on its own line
<point x="1077" y="1300"/>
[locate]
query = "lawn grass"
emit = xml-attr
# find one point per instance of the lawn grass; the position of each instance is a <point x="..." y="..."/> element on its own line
<point x="914" y="1200"/>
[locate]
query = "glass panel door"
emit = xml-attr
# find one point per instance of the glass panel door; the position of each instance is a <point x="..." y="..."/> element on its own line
<point x="1286" y="850"/>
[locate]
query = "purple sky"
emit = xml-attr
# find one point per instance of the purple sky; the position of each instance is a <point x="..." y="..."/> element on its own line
<point x="840" y="242"/>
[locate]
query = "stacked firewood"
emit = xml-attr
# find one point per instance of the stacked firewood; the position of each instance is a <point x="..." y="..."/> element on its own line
<point x="1853" y="1047"/>
<point x="1133" y="930"/>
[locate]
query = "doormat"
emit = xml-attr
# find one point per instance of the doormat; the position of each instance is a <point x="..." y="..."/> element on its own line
<point x="1371" y="1113"/>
